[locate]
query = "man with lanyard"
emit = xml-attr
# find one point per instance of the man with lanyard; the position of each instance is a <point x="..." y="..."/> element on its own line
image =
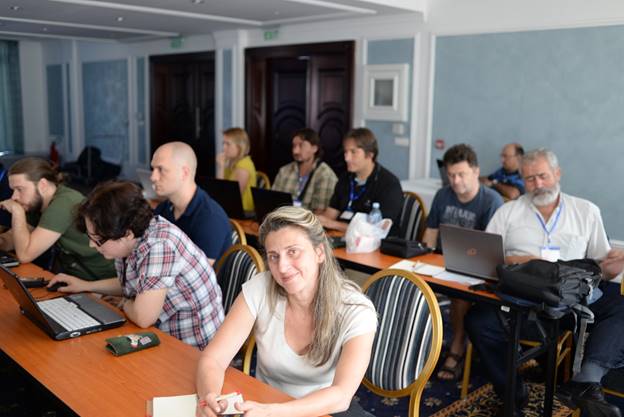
<point x="364" y="183"/>
<point x="309" y="180"/>
<point x="188" y="206"/>
<point x="507" y="180"/>
<point x="546" y="223"/>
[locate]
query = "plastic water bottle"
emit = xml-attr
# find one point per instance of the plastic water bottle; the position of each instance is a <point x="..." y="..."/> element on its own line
<point x="375" y="215"/>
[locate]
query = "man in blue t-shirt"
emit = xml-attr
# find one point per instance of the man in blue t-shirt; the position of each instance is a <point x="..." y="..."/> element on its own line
<point x="507" y="180"/>
<point x="188" y="206"/>
<point x="464" y="202"/>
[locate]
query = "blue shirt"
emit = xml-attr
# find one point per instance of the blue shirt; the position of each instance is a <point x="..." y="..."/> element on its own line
<point x="204" y="221"/>
<point x="508" y="178"/>
<point x="475" y="214"/>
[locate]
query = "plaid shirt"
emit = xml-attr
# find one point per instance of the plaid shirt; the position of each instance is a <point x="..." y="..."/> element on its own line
<point x="165" y="257"/>
<point x="319" y="191"/>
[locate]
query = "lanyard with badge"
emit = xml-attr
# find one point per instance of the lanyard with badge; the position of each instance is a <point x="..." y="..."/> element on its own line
<point x="353" y="195"/>
<point x="549" y="251"/>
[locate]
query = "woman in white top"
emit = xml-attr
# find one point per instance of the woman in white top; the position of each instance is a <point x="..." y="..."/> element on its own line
<point x="314" y="329"/>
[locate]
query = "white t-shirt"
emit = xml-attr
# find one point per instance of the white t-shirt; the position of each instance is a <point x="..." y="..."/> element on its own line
<point x="579" y="231"/>
<point x="277" y="364"/>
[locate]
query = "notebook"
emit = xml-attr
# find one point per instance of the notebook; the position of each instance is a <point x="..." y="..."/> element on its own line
<point x="265" y="201"/>
<point x="62" y="317"/>
<point x="471" y="252"/>
<point x="8" y="260"/>
<point x="227" y="194"/>
<point x="144" y="177"/>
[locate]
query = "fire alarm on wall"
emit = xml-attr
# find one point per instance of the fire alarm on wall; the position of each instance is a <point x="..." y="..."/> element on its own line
<point x="439" y="144"/>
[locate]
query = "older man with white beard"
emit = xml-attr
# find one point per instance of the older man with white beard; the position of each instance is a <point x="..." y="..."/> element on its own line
<point x="548" y="224"/>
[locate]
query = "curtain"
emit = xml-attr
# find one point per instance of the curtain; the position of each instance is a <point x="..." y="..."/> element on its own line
<point x="11" y="125"/>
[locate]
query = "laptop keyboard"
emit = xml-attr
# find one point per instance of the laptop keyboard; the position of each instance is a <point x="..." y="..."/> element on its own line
<point x="67" y="314"/>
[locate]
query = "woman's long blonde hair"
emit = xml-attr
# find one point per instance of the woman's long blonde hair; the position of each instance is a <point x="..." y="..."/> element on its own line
<point x="332" y="283"/>
<point x="240" y="139"/>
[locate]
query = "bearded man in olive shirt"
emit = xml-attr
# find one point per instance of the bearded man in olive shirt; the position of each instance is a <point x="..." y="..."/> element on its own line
<point x="42" y="211"/>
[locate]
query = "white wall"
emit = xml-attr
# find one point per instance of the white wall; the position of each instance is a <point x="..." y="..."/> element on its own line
<point x="34" y="97"/>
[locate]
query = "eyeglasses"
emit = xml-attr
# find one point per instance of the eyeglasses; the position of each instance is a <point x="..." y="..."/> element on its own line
<point x="98" y="242"/>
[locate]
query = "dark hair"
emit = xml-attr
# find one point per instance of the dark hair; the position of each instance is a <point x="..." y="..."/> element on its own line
<point x="519" y="149"/>
<point x="364" y="139"/>
<point x="460" y="153"/>
<point x="36" y="169"/>
<point x="114" y="208"/>
<point x="309" y="135"/>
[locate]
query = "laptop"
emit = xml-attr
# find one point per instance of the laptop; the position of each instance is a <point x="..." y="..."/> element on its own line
<point x="265" y="201"/>
<point x="227" y="194"/>
<point x="443" y="174"/>
<point x="144" y="178"/>
<point x="471" y="252"/>
<point x="8" y="260"/>
<point x="62" y="317"/>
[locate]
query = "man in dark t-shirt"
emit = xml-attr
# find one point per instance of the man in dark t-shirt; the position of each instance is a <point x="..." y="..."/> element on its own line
<point x="364" y="183"/>
<point x="466" y="203"/>
<point x="188" y="206"/>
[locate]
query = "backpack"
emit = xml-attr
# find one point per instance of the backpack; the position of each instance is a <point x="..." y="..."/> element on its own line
<point x="552" y="290"/>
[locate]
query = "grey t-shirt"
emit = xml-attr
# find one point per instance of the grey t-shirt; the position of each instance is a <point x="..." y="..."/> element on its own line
<point x="475" y="214"/>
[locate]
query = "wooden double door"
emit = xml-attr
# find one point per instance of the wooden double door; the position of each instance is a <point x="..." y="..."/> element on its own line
<point x="298" y="86"/>
<point x="182" y="104"/>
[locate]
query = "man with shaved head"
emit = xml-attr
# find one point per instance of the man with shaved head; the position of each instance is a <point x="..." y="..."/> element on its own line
<point x="188" y="206"/>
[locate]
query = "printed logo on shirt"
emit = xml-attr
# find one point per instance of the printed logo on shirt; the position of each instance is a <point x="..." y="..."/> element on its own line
<point x="459" y="217"/>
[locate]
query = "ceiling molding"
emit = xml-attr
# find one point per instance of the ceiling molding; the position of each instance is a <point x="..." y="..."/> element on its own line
<point x="332" y="5"/>
<point x="156" y="10"/>
<point x="52" y="36"/>
<point x="85" y="26"/>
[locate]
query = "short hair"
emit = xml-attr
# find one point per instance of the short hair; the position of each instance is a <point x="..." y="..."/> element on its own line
<point x="114" y="208"/>
<point x="460" y="153"/>
<point x="519" y="149"/>
<point x="364" y="139"/>
<point x="541" y="153"/>
<point x="310" y="135"/>
<point x="36" y="169"/>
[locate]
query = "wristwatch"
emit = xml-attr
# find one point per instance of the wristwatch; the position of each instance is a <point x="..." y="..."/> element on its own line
<point x="494" y="181"/>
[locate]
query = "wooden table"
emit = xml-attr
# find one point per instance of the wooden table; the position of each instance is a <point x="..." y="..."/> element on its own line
<point x="93" y="382"/>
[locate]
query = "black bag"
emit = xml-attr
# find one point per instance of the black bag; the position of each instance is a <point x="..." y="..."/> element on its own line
<point x="402" y="248"/>
<point x="555" y="284"/>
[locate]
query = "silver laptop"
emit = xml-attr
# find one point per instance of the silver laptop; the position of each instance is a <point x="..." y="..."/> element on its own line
<point x="144" y="177"/>
<point x="62" y="317"/>
<point x="471" y="252"/>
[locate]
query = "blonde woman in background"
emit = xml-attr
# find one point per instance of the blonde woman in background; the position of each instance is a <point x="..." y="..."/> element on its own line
<point x="314" y="328"/>
<point x="235" y="164"/>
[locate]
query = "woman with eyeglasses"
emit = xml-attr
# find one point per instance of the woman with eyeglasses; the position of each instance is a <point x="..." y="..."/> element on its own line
<point x="164" y="279"/>
<point x="314" y="329"/>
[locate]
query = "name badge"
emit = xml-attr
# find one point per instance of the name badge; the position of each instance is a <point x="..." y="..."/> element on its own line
<point x="346" y="215"/>
<point x="550" y="253"/>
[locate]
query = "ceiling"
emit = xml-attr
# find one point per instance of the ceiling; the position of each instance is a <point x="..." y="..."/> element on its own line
<point x="135" y="20"/>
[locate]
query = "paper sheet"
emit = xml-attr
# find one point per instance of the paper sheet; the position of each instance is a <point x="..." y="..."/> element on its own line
<point x="462" y="279"/>
<point x="418" y="267"/>
<point x="179" y="406"/>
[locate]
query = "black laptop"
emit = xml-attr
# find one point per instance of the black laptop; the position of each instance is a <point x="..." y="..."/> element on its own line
<point x="265" y="201"/>
<point x="227" y="194"/>
<point x="471" y="252"/>
<point x="62" y="317"/>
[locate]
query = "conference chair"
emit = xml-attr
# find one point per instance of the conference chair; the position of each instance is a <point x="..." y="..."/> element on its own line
<point x="409" y="335"/>
<point x="237" y="265"/>
<point x="262" y="180"/>
<point x="413" y="220"/>
<point x="564" y="356"/>
<point x="238" y="234"/>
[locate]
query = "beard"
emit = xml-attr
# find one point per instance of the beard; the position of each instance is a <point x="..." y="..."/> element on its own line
<point x="36" y="204"/>
<point x="545" y="195"/>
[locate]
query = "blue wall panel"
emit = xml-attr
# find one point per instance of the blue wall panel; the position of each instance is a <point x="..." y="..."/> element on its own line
<point x="393" y="51"/>
<point x="143" y="157"/>
<point x="562" y="89"/>
<point x="56" y="115"/>
<point x="227" y="90"/>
